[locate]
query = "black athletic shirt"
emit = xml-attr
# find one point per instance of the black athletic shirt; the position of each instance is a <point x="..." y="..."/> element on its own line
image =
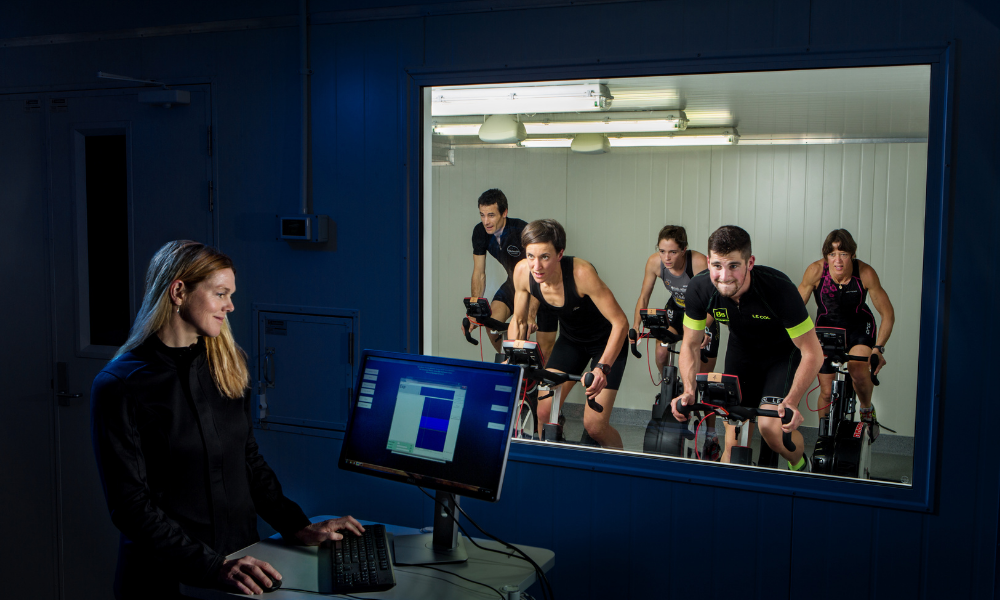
<point x="769" y="315"/>
<point x="508" y="251"/>
<point x="579" y="318"/>
<point x="838" y="303"/>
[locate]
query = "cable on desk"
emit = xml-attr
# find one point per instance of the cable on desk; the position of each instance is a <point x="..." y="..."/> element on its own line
<point x="543" y="580"/>
<point x="489" y="587"/>
<point x="300" y="590"/>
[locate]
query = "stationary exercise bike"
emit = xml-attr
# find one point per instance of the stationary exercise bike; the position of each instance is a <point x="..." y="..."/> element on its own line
<point x="478" y="311"/>
<point x="526" y="355"/>
<point x="664" y="433"/>
<point x="720" y="394"/>
<point x="844" y="446"/>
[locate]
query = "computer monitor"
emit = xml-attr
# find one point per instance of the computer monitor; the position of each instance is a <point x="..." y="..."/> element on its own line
<point x="438" y="423"/>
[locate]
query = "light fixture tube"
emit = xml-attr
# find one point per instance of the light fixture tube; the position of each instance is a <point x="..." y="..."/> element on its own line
<point x="515" y="100"/>
<point x="693" y="137"/>
<point x="570" y="127"/>
<point x="645" y="126"/>
<point x="457" y="129"/>
<point x="547" y="143"/>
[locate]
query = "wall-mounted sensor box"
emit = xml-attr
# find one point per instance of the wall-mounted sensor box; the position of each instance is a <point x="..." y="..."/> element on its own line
<point x="304" y="228"/>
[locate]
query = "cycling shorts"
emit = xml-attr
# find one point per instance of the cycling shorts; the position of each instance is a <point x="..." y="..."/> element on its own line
<point x="571" y="357"/>
<point x="761" y="376"/>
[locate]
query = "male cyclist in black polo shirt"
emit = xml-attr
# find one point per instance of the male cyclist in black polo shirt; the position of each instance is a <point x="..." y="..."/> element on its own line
<point x="500" y="235"/>
<point x="773" y="347"/>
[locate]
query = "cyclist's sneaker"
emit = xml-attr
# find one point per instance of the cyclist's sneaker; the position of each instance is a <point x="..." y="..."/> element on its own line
<point x="711" y="450"/>
<point x="806" y="466"/>
<point x="868" y="416"/>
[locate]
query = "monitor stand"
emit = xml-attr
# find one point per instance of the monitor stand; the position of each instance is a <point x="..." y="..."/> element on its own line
<point x="444" y="545"/>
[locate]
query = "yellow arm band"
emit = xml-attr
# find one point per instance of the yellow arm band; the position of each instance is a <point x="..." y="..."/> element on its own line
<point x="800" y="329"/>
<point x="694" y="325"/>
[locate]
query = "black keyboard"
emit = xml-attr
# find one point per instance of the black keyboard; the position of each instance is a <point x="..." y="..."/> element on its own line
<point x="363" y="564"/>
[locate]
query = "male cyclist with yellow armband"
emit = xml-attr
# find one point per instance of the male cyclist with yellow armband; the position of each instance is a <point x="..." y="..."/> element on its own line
<point x="773" y="347"/>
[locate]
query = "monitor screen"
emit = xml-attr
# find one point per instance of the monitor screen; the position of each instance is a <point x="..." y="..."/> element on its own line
<point x="440" y="423"/>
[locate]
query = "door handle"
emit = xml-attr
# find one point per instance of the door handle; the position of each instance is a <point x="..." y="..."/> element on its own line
<point x="65" y="397"/>
<point x="61" y="384"/>
<point x="269" y="367"/>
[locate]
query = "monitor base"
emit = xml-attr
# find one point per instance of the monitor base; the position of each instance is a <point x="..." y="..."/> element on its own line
<point x="420" y="550"/>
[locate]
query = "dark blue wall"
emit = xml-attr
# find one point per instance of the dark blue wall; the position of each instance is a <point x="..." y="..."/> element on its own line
<point x="363" y="177"/>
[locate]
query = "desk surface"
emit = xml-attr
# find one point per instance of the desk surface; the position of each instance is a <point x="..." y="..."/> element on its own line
<point x="307" y="568"/>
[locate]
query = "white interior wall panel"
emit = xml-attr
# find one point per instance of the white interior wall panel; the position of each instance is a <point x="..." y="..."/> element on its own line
<point x="787" y="197"/>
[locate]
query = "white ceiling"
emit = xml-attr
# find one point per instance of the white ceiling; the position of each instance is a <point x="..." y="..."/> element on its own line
<point x="873" y="102"/>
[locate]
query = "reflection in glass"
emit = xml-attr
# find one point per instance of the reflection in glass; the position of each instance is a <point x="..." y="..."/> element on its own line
<point x="817" y="151"/>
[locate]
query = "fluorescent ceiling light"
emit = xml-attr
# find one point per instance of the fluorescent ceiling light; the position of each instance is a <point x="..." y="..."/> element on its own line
<point x="827" y="141"/>
<point x="693" y="137"/>
<point x="547" y="143"/>
<point x="571" y="127"/>
<point x="570" y="124"/>
<point x="606" y="126"/>
<point x="457" y="128"/>
<point x="519" y="100"/>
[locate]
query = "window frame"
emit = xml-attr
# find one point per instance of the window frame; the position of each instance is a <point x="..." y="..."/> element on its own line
<point x="920" y="495"/>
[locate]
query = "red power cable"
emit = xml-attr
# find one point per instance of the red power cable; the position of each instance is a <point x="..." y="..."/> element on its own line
<point x="818" y="408"/>
<point x="649" y="365"/>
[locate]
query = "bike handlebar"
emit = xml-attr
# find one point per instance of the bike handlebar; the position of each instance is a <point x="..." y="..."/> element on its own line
<point x="871" y="360"/>
<point x="742" y="413"/>
<point x="633" y="337"/>
<point x="588" y="380"/>
<point x="466" y="324"/>
<point x="554" y="378"/>
<point x="489" y="322"/>
<point x="665" y="337"/>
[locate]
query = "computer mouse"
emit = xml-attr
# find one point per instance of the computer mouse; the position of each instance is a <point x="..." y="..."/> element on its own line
<point x="275" y="584"/>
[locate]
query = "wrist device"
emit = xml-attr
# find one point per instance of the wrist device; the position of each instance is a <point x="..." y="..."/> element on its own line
<point x="603" y="367"/>
<point x="879" y="348"/>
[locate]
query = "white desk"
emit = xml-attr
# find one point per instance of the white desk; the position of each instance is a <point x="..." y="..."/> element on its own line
<point x="308" y="568"/>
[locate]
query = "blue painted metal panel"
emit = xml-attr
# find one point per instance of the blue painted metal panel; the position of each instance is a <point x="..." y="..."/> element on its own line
<point x="896" y="566"/>
<point x="821" y="569"/>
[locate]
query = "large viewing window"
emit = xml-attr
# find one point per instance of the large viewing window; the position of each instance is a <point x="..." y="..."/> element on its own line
<point x="788" y="155"/>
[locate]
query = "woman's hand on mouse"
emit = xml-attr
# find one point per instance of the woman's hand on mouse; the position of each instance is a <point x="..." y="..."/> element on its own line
<point x="247" y="574"/>
<point x="317" y="533"/>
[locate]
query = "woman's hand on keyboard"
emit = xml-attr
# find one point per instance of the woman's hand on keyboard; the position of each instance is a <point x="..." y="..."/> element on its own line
<point x="317" y="533"/>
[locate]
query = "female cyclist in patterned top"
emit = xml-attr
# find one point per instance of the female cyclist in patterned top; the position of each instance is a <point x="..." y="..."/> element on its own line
<point x="841" y="284"/>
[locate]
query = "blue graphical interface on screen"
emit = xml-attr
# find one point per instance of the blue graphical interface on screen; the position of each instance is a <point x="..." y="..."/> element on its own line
<point x="449" y="422"/>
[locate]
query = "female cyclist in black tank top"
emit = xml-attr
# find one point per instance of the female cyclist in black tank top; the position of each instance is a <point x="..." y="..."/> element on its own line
<point x="841" y="303"/>
<point x="579" y="318"/>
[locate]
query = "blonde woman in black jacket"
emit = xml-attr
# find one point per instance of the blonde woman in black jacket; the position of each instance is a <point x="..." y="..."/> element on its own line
<point x="172" y="430"/>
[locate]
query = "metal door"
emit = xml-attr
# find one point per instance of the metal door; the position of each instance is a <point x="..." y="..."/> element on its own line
<point x="102" y="237"/>
<point x="27" y="495"/>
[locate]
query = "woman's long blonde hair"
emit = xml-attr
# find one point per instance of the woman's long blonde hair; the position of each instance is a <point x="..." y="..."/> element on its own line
<point x="191" y="263"/>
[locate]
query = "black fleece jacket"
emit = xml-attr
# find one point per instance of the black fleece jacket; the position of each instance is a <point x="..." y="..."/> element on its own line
<point x="182" y="475"/>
